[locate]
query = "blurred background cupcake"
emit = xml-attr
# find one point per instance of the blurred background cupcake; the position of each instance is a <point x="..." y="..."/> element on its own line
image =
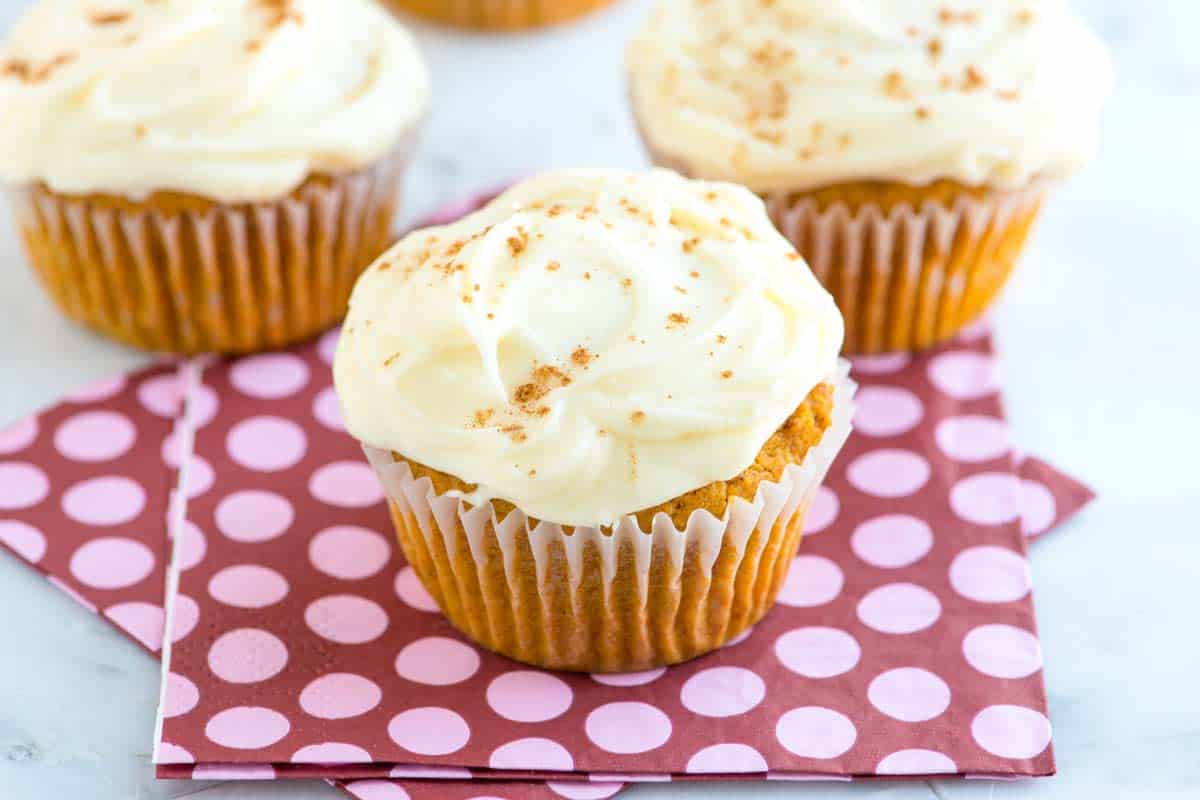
<point x="498" y="15"/>
<point x="904" y="148"/>
<point x="610" y="490"/>
<point x="206" y="176"/>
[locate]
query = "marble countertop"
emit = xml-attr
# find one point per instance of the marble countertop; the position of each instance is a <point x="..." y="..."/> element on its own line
<point x="1098" y="339"/>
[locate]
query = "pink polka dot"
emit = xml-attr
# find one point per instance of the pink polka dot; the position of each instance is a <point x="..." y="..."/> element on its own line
<point x="1039" y="509"/>
<point x="429" y="731"/>
<point x="331" y="753"/>
<point x="888" y="473"/>
<point x="886" y="411"/>
<point x="915" y="762"/>
<point x="95" y="436"/>
<point x="885" y="364"/>
<point x="631" y="727"/>
<point x="111" y="500"/>
<point x="233" y="772"/>
<point x="200" y="477"/>
<point x="377" y="790"/>
<point x="269" y="376"/>
<point x="184" y="617"/>
<point x="577" y="790"/>
<point x="142" y="621"/>
<point x="741" y="637"/>
<point x="349" y="552"/>
<point x="989" y="574"/>
<point x="24" y="540"/>
<point x="822" y="512"/>
<point x="247" y="727"/>
<point x="899" y="608"/>
<point x="729" y="758"/>
<point x="266" y="444"/>
<point x="529" y="696"/>
<point x="346" y="484"/>
<point x="892" y="541"/>
<point x="974" y="331"/>
<point x="18" y="436"/>
<point x="327" y="345"/>
<point x="203" y="405"/>
<point x="192" y="546"/>
<point x="811" y="581"/>
<point x="110" y="562"/>
<point x="722" y="692"/>
<point x="99" y="390"/>
<point x="328" y="411"/>
<point x="532" y="753"/>
<point x="1003" y="651"/>
<point x="414" y="594"/>
<point x="21" y="486"/>
<point x="972" y="438"/>
<point x="964" y="375"/>
<point x="170" y="451"/>
<point x="909" y="694"/>
<point x="340" y="695"/>
<point x="253" y="516"/>
<point x="437" y="661"/>
<point x="161" y="395"/>
<point x="1011" y="731"/>
<point x="346" y="619"/>
<point x="248" y="586"/>
<point x="990" y="498"/>
<point x="180" y="696"/>
<point x="815" y="732"/>
<point x="167" y="753"/>
<point x="629" y="678"/>
<point x="818" y="652"/>
<point x="247" y="655"/>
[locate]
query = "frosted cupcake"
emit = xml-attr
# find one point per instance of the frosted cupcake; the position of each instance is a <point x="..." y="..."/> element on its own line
<point x="196" y="175"/>
<point x="904" y="148"/>
<point x="499" y="15"/>
<point x="600" y="407"/>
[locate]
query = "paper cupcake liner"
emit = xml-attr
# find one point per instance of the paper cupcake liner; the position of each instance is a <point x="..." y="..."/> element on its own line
<point x="196" y="276"/>
<point x="614" y="599"/>
<point x="499" y="15"/>
<point x="912" y="275"/>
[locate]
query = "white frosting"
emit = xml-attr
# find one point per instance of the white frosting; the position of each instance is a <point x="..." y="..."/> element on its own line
<point x="231" y="99"/>
<point x="796" y="94"/>
<point x="686" y="328"/>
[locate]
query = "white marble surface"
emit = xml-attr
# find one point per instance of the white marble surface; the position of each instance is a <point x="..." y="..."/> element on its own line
<point x="1098" y="338"/>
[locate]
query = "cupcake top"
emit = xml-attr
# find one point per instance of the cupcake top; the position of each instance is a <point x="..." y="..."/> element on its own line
<point x="798" y="94"/>
<point x="235" y="100"/>
<point x="590" y="344"/>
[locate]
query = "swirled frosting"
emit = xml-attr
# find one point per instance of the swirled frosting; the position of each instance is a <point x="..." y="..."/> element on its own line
<point x="589" y="344"/>
<point x="231" y="99"/>
<point x="797" y="94"/>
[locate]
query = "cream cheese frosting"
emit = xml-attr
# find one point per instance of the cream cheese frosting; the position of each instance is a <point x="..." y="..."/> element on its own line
<point x="797" y="94"/>
<point x="236" y="100"/>
<point x="588" y="345"/>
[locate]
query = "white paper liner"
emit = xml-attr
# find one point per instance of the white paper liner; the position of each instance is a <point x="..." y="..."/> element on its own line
<point x="908" y="277"/>
<point x="214" y="277"/>
<point x="436" y="516"/>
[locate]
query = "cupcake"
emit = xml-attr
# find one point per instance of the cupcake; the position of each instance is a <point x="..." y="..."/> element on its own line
<point x="206" y="175"/>
<point x="499" y="15"/>
<point x="600" y="407"/>
<point x="904" y="148"/>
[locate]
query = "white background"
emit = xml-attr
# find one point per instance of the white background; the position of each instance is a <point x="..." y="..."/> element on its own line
<point x="1098" y="343"/>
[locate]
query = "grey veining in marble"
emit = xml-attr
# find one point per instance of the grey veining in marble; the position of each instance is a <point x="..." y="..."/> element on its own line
<point x="1099" y="346"/>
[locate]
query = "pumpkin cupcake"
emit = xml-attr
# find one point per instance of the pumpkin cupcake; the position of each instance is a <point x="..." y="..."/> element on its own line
<point x="904" y="148"/>
<point x="601" y="407"/>
<point x="208" y="175"/>
<point x="499" y="15"/>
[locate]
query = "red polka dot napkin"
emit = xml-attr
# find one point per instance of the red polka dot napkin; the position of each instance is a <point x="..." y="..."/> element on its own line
<point x="904" y="641"/>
